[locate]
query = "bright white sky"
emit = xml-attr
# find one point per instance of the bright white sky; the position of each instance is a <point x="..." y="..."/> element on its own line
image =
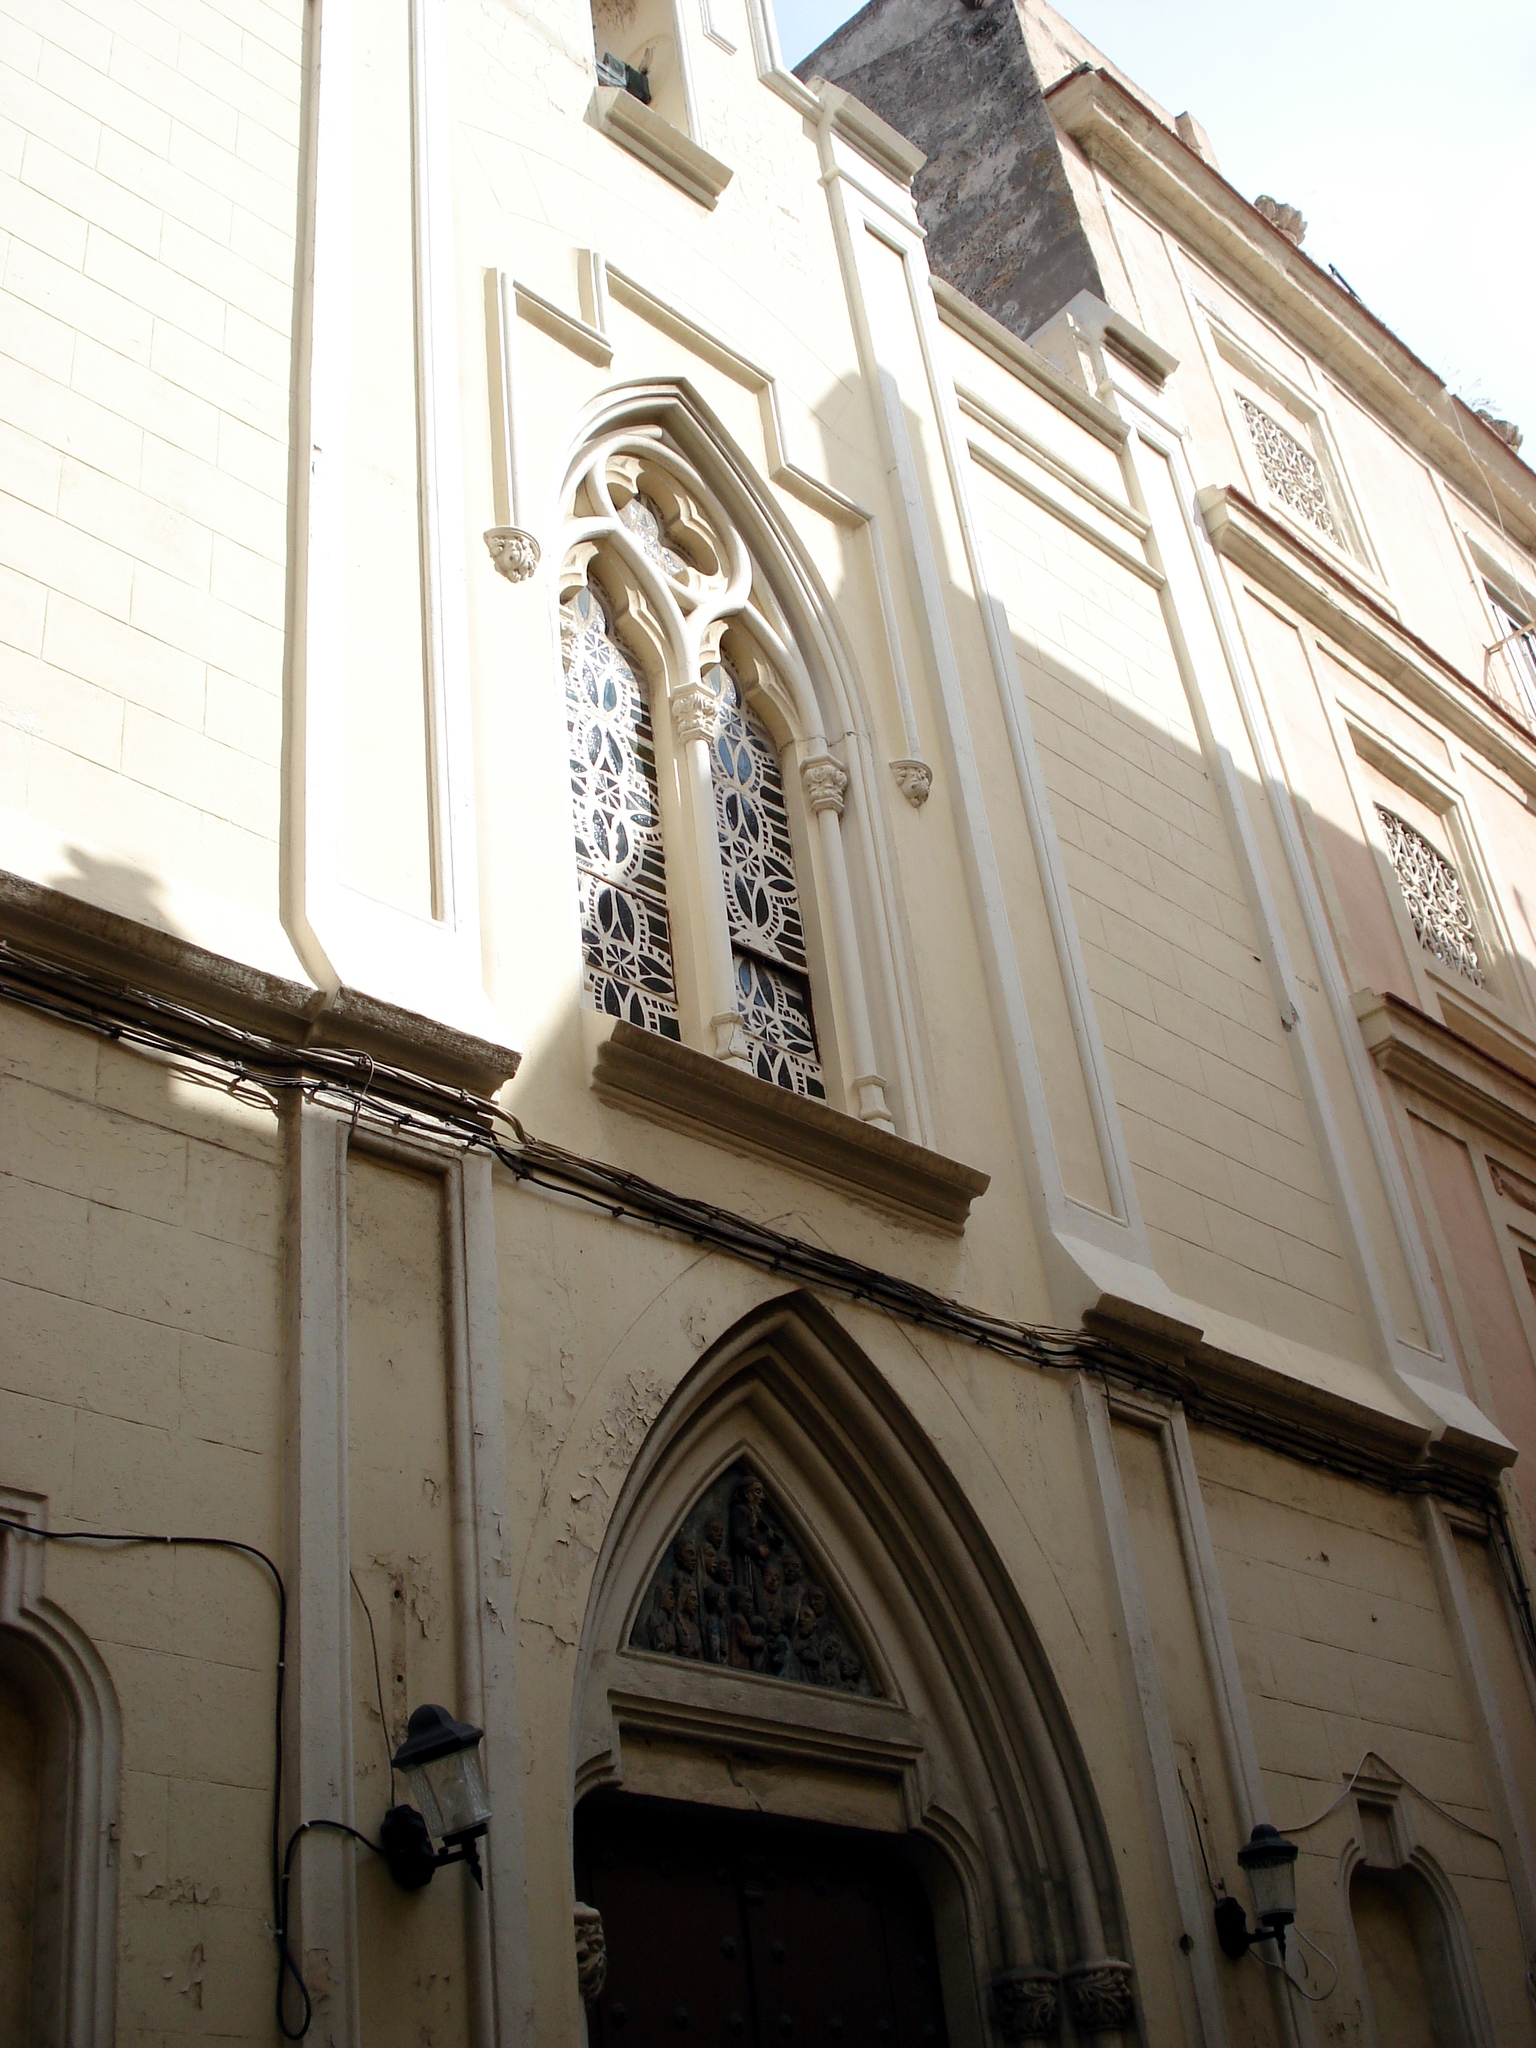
<point x="1404" y="130"/>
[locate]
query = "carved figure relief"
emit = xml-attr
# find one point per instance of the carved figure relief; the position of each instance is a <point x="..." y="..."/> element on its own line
<point x="734" y="1590"/>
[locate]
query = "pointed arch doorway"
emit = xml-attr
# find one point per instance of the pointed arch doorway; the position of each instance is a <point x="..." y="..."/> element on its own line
<point x="751" y="1932"/>
<point x="799" y="1626"/>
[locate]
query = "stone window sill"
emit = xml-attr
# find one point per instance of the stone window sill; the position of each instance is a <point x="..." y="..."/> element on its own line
<point x="640" y="1070"/>
<point x="667" y="150"/>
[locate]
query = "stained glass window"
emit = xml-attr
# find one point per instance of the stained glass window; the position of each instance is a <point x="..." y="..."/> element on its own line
<point x="626" y="937"/>
<point x="1431" y="887"/>
<point x="1290" y="470"/>
<point x="773" y="990"/>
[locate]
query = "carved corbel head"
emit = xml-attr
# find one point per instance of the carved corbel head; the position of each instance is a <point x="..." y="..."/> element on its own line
<point x="825" y="783"/>
<point x="514" y="552"/>
<point x="591" y="1953"/>
<point x="914" y="779"/>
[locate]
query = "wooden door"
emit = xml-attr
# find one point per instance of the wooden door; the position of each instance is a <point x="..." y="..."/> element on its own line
<point x="748" y="1933"/>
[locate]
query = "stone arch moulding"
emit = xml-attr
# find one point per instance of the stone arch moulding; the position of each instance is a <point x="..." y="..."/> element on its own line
<point x="821" y="704"/>
<point x="958" y="1741"/>
<point x="67" y="1684"/>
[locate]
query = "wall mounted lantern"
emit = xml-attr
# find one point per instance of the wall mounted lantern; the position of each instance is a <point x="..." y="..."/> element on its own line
<point x="1270" y="1861"/>
<point x="440" y="1758"/>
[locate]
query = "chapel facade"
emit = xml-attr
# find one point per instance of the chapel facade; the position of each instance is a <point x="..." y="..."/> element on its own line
<point x="768" y="1017"/>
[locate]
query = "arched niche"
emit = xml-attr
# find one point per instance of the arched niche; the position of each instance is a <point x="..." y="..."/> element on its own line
<point x="1412" y="1946"/>
<point x="53" y="1674"/>
<point x="958" y="1743"/>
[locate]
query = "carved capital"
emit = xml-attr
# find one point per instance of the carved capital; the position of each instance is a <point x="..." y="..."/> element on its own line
<point x="825" y="783"/>
<point x="515" y="553"/>
<point x="591" y="1953"/>
<point x="1100" y="1996"/>
<point x="914" y="779"/>
<point x="1027" y="2003"/>
<point x="693" y="713"/>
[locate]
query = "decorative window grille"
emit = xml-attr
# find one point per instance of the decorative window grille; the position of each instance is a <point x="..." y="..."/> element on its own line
<point x="1290" y="470"/>
<point x="1432" y="891"/>
<point x="773" y="989"/>
<point x="626" y="937"/>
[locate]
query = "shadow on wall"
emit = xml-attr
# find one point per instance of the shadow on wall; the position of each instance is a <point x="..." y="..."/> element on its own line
<point x="119" y="886"/>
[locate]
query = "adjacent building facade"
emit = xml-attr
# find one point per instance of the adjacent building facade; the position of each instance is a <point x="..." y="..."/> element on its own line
<point x="770" y="1012"/>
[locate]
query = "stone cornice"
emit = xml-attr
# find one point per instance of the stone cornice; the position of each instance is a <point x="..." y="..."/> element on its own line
<point x="875" y="140"/>
<point x="643" y="1071"/>
<point x="121" y="958"/>
<point x="1115" y="130"/>
<point x="1325" y="593"/>
<point x="1447" y="1068"/>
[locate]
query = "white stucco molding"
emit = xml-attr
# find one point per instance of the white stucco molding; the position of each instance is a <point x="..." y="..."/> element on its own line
<point x="665" y="149"/>
<point x="1429" y="1058"/>
<point x="1328" y="597"/>
<point x="1032" y="369"/>
<point x="867" y="220"/>
<point x="1120" y="134"/>
<point x="676" y="1085"/>
<point x="343" y="934"/>
<point x="875" y="140"/>
<point x="318" y="1773"/>
<point x="61" y="1673"/>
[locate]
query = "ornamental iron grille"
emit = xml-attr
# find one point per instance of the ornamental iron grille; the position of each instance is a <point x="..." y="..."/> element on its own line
<point x="626" y="937"/>
<point x="773" y="990"/>
<point x="1431" y="889"/>
<point x="1290" y="470"/>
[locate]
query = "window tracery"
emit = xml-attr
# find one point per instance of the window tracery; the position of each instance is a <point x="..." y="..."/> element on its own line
<point x="1437" y="908"/>
<point x="1291" y="470"/>
<point x="626" y="935"/>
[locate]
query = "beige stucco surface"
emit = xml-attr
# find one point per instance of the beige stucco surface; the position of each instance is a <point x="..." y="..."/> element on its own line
<point x="281" y="753"/>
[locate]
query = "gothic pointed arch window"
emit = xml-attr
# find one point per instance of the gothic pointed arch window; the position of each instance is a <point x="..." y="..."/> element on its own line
<point x="706" y="804"/>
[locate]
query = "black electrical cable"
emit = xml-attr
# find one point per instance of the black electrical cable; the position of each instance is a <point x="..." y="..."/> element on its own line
<point x="281" y="1865"/>
<point x="378" y="1682"/>
<point x="286" y="1966"/>
<point x="248" y="1550"/>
